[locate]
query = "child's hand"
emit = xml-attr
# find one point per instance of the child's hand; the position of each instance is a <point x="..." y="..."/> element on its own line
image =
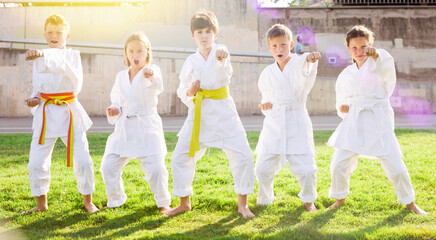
<point x="371" y="52"/>
<point x="148" y="73"/>
<point x="33" y="54"/>
<point x="313" y="57"/>
<point x="221" y="54"/>
<point x="344" y="108"/>
<point x="195" y="87"/>
<point x="112" y="111"/>
<point x="32" y="102"/>
<point x="265" y="106"/>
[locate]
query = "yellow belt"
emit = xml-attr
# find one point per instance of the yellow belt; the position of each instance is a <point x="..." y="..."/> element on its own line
<point x="59" y="99"/>
<point x="220" y="93"/>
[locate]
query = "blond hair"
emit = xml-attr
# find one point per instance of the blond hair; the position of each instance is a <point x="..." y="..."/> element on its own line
<point x="138" y="36"/>
<point x="56" y="19"/>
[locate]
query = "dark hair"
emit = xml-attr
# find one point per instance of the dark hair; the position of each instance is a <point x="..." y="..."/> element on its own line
<point x="359" y="31"/>
<point x="204" y="19"/>
<point x="279" y="30"/>
<point x="56" y="19"/>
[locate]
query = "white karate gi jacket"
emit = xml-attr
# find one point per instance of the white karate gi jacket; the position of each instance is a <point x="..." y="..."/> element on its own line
<point x="59" y="71"/>
<point x="287" y="128"/>
<point x="368" y="128"/>
<point x="138" y="128"/>
<point x="219" y="118"/>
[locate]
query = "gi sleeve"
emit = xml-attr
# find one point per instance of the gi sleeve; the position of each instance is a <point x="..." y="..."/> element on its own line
<point x="224" y="69"/>
<point x="341" y="93"/>
<point x="265" y="90"/>
<point x="115" y="100"/>
<point x="305" y="78"/>
<point x="157" y="83"/>
<point x="185" y="83"/>
<point x="385" y="68"/>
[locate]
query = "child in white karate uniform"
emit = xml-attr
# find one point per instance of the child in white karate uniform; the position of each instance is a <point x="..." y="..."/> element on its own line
<point x="138" y="127"/>
<point x="362" y="100"/>
<point x="287" y="133"/>
<point x="57" y="79"/>
<point x="212" y="118"/>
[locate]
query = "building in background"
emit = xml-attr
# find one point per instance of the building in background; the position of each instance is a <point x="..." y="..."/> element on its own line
<point x="100" y="29"/>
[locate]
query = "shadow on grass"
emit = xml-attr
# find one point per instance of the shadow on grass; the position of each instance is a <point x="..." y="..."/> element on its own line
<point x="312" y="228"/>
<point x="97" y="224"/>
<point x="46" y="225"/>
<point x="122" y="226"/>
<point x="217" y="229"/>
<point x="390" y="221"/>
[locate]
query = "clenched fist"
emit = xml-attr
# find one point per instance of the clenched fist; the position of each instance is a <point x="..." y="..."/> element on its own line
<point x="344" y="108"/>
<point x="371" y="52"/>
<point x="265" y="106"/>
<point x="148" y="73"/>
<point x="32" y="102"/>
<point x="313" y="57"/>
<point x="33" y="54"/>
<point x="112" y="111"/>
<point x="221" y="54"/>
<point x="195" y="87"/>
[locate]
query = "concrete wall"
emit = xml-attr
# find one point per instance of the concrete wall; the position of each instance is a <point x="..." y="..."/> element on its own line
<point x="408" y="34"/>
<point x="99" y="75"/>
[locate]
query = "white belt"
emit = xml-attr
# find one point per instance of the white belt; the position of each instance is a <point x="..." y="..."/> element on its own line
<point x="283" y="108"/>
<point x="133" y="115"/>
<point x="377" y="107"/>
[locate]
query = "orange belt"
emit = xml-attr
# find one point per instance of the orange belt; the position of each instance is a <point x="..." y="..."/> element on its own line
<point x="59" y="99"/>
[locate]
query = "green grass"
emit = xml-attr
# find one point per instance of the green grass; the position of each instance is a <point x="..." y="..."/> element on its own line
<point x="371" y="210"/>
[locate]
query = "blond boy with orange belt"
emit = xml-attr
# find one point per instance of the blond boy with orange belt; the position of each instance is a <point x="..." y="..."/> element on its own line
<point x="57" y="79"/>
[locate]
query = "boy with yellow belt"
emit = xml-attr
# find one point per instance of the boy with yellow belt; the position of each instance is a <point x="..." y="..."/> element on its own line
<point x="212" y="119"/>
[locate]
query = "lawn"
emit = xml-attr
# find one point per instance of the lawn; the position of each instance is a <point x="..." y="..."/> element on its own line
<point x="371" y="210"/>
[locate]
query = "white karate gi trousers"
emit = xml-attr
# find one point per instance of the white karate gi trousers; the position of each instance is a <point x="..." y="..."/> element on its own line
<point x="40" y="162"/>
<point x="238" y="152"/>
<point x="156" y="175"/>
<point x="345" y="162"/>
<point x="302" y="166"/>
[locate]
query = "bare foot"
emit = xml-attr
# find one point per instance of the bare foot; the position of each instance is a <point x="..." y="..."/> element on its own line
<point x="337" y="204"/>
<point x="245" y="211"/>
<point x="164" y="209"/>
<point x="310" y="207"/>
<point x="177" y="210"/>
<point x="35" y="209"/>
<point x="413" y="207"/>
<point x="91" y="208"/>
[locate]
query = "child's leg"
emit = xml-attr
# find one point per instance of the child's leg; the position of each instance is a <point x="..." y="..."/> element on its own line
<point x="183" y="168"/>
<point x="303" y="167"/>
<point x="397" y="173"/>
<point x="240" y="157"/>
<point x="82" y="166"/>
<point x="111" y="169"/>
<point x="267" y="166"/>
<point x="343" y="164"/>
<point x="39" y="171"/>
<point x="156" y="175"/>
<point x="82" y="163"/>
<point x="243" y="206"/>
